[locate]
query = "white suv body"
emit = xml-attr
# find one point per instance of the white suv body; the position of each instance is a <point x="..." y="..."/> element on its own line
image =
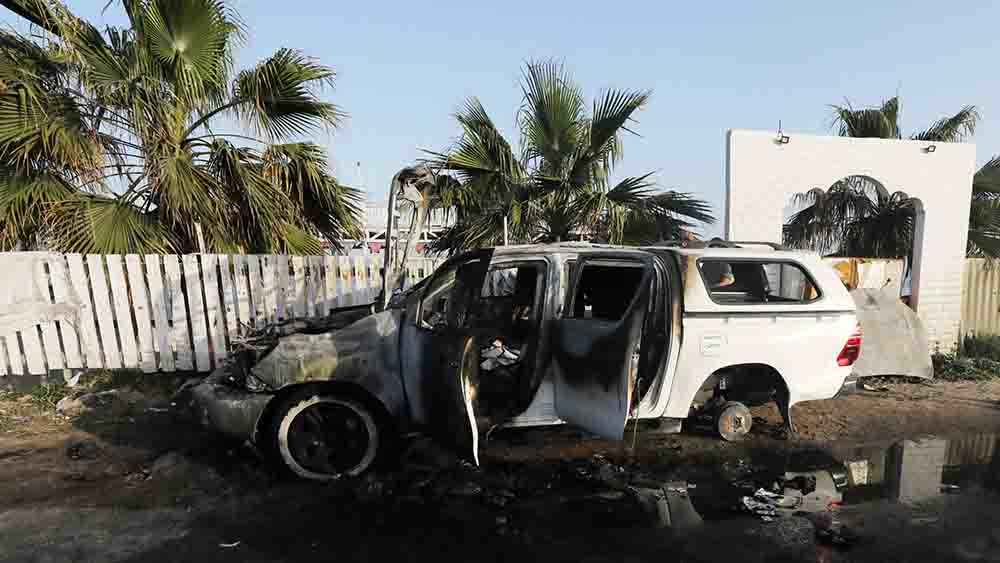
<point x="801" y="341"/>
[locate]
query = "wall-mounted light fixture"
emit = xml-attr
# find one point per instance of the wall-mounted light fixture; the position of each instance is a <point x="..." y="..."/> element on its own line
<point x="781" y="139"/>
<point x="930" y="148"/>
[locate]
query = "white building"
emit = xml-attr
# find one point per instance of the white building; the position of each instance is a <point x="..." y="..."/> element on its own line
<point x="377" y="220"/>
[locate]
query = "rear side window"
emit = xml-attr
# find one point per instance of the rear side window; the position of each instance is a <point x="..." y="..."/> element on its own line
<point x="605" y="292"/>
<point x="749" y="281"/>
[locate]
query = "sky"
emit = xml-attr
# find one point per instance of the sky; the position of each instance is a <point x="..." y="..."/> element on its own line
<point x="404" y="68"/>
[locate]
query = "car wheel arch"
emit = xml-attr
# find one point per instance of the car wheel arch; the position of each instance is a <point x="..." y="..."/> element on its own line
<point x="740" y="371"/>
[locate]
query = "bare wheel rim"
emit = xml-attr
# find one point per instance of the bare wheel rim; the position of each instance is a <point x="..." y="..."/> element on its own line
<point x="734" y="422"/>
<point x="326" y="438"/>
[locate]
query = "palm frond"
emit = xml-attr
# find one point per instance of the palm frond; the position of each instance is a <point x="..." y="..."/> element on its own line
<point x="885" y="232"/>
<point x="984" y="229"/>
<point x="881" y="122"/>
<point x="986" y="180"/>
<point x="481" y="150"/>
<point x="38" y="12"/>
<point x="329" y="208"/>
<point x="91" y="224"/>
<point x="278" y="98"/>
<point x="193" y="40"/>
<point x="25" y="199"/>
<point x="551" y="116"/>
<point x="824" y="221"/>
<point x="601" y="148"/>
<point x="952" y="129"/>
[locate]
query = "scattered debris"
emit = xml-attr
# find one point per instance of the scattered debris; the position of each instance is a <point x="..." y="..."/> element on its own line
<point x="924" y="520"/>
<point x="873" y="388"/>
<point x="71" y="378"/>
<point x="837" y="535"/>
<point x="763" y="508"/>
<point x="70" y="406"/>
<point x="118" y="401"/>
<point x="468" y="489"/>
<point x="83" y="449"/>
<point x="858" y="471"/>
<point x="950" y="489"/>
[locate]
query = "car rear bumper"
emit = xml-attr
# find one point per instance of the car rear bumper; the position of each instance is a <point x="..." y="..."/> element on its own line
<point x="850" y="385"/>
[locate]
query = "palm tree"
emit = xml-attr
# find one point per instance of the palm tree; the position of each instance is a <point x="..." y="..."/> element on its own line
<point x="556" y="185"/>
<point x="114" y="140"/>
<point x="859" y="217"/>
<point x="883" y="123"/>
<point x="984" y="212"/>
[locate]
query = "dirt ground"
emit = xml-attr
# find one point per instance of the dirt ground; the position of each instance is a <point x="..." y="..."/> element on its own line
<point x="128" y="482"/>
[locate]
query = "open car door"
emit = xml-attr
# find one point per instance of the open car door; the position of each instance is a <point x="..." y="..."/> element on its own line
<point x="595" y="351"/>
<point x="450" y="354"/>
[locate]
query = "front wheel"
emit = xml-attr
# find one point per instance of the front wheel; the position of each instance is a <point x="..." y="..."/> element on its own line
<point x="325" y="437"/>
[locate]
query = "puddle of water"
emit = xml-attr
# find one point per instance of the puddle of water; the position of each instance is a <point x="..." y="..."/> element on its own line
<point x="907" y="471"/>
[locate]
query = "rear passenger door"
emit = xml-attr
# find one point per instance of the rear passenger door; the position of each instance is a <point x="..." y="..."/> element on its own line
<point x="596" y="342"/>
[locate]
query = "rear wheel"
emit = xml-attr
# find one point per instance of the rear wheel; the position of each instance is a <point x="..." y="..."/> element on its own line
<point x="733" y="421"/>
<point x="326" y="437"/>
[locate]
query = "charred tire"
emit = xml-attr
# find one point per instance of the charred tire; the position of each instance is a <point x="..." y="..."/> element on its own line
<point x="324" y="437"/>
<point x="733" y="421"/>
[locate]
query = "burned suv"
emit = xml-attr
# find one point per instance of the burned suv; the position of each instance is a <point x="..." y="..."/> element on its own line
<point x="544" y="334"/>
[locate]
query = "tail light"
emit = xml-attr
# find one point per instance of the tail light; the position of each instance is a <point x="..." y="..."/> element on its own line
<point x="852" y="349"/>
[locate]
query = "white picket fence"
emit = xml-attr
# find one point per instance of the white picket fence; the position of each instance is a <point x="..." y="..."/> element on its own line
<point x="164" y="312"/>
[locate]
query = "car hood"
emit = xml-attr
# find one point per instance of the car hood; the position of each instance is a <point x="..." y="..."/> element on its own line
<point x="365" y="349"/>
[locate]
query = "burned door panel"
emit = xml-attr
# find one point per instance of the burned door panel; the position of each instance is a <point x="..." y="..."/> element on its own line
<point x="595" y="351"/>
<point x="452" y="365"/>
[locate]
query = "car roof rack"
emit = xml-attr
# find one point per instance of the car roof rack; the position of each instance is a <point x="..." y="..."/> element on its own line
<point x="720" y="243"/>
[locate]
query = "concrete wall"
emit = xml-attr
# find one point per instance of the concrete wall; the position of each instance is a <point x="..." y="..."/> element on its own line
<point x="762" y="175"/>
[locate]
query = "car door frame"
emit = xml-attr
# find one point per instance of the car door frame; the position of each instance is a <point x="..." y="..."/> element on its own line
<point x="440" y="400"/>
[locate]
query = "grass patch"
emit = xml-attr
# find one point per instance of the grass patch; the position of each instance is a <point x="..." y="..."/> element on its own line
<point x="48" y="394"/>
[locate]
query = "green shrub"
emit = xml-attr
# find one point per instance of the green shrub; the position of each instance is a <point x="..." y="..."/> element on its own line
<point x="953" y="367"/>
<point x="981" y="347"/>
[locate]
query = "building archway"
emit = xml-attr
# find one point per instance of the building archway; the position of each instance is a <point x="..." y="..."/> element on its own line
<point x="857" y="217"/>
<point x="764" y="169"/>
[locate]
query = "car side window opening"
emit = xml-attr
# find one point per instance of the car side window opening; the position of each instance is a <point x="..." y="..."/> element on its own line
<point x="604" y="292"/>
<point x="751" y="281"/>
<point x="445" y="301"/>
